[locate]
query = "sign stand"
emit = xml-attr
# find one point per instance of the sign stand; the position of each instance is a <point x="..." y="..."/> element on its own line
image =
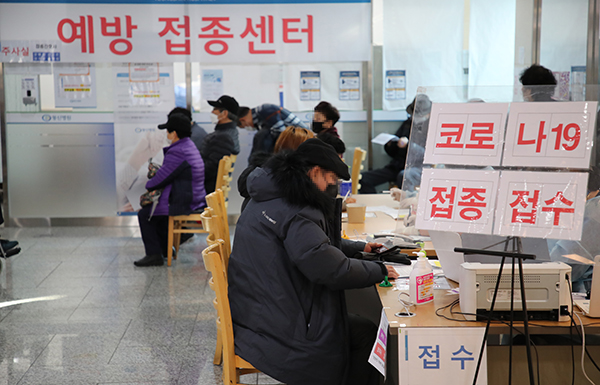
<point x="516" y="253"/>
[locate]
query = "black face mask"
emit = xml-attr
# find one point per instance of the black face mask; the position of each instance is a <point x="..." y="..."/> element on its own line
<point x="317" y="127"/>
<point x="332" y="190"/>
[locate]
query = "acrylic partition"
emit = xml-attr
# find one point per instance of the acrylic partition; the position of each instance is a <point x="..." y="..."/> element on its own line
<point x="427" y="95"/>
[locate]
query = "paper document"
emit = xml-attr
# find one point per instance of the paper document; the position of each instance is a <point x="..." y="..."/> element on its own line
<point x="383" y="138"/>
<point x="384" y="209"/>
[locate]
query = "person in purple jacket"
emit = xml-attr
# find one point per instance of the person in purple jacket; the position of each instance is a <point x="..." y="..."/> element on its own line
<point x="181" y="177"/>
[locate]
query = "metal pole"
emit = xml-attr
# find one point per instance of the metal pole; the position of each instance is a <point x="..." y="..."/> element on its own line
<point x="188" y="86"/>
<point x="368" y="100"/>
<point x="592" y="49"/>
<point x="537" y="31"/>
<point x="3" y="146"/>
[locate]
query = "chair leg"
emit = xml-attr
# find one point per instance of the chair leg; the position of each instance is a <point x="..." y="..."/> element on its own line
<point x="170" y="242"/>
<point x="177" y="241"/>
<point x="218" y="360"/>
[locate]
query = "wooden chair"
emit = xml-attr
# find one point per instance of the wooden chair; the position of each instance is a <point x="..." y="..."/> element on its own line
<point x="359" y="157"/>
<point x="224" y="175"/>
<point x="214" y="219"/>
<point x="192" y="223"/>
<point x="233" y="365"/>
<point x="220" y="228"/>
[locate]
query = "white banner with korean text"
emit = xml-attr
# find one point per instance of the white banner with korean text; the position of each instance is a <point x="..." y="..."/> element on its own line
<point x="550" y="134"/>
<point x="457" y="200"/>
<point x="466" y="133"/>
<point x="427" y="355"/>
<point x="224" y="31"/>
<point x="541" y="204"/>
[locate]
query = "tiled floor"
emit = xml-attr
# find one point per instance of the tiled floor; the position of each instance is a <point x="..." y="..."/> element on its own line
<point x="113" y="323"/>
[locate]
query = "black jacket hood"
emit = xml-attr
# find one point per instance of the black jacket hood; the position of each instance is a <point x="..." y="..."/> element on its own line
<point x="285" y="176"/>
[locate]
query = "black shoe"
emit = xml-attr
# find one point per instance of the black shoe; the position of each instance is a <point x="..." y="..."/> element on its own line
<point x="7" y="245"/>
<point x="11" y="252"/>
<point x="150" y="260"/>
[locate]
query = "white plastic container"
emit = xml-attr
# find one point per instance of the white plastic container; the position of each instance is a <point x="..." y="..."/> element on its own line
<point x="420" y="282"/>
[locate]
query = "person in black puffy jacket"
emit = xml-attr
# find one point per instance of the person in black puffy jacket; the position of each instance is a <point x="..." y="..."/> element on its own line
<point x="287" y="275"/>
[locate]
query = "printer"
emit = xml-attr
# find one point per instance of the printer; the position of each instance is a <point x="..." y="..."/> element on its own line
<point x="546" y="290"/>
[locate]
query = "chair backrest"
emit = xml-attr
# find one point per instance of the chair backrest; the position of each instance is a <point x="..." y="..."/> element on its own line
<point x="225" y="174"/>
<point x="219" y="223"/>
<point x="359" y="157"/>
<point x="213" y="262"/>
<point x="222" y="174"/>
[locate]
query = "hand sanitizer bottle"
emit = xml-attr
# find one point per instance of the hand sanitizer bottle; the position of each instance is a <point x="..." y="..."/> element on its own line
<point x="420" y="281"/>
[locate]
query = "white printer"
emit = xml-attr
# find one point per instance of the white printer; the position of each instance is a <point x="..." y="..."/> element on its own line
<point x="546" y="290"/>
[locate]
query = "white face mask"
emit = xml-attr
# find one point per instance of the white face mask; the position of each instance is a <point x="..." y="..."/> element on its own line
<point x="214" y="119"/>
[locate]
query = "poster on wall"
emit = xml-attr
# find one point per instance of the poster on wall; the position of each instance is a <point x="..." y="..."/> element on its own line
<point x="395" y="84"/>
<point x="75" y="85"/>
<point x="212" y="84"/>
<point x="349" y="85"/>
<point x="143" y="96"/>
<point x="310" y="85"/>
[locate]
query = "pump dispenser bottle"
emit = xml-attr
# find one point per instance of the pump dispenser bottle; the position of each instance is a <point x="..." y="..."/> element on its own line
<point x="421" y="280"/>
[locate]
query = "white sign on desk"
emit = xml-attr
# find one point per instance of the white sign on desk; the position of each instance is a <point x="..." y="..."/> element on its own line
<point x="457" y="200"/>
<point x="550" y="134"/>
<point x="541" y="204"/>
<point x="379" y="351"/>
<point x="466" y="133"/>
<point x="427" y="355"/>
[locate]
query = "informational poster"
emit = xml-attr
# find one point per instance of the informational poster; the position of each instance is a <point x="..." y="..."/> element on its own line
<point x="541" y="204"/>
<point x="457" y="200"/>
<point x="550" y="134"/>
<point x="578" y="76"/>
<point x="349" y="85"/>
<point x="427" y="355"/>
<point x="30" y="90"/>
<point x="212" y="84"/>
<point x="75" y="85"/>
<point x="241" y="31"/>
<point x="143" y="96"/>
<point x="563" y="82"/>
<point x="395" y="84"/>
<point x="310" y="85"/>
<point x="466" y="133"/>
<point x="379" y="351"/>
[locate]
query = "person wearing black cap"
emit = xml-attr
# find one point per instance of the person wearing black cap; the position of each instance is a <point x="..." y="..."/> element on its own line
<point x="198" y="133"/>
<point x="223" y="141"/>
<point x="181" y="178"/>
<point x="287" y="274"/>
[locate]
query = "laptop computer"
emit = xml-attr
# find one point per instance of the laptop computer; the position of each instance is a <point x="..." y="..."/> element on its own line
<point x="444" y="243"/>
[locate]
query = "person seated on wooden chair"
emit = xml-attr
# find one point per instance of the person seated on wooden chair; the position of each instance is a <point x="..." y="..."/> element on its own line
<point x="287" y="275"/>
<point x="289" y="140"/>
<point x="182" y="178"/>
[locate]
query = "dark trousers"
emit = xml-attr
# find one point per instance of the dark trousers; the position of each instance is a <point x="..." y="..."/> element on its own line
<point x="154" y="231"/>
<point x="373" y="178"/>
<point x="363" y="333"/>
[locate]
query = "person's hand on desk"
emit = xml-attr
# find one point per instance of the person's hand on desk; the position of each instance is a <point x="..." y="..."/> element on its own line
<point x="392" y="273"/>
<point x="372" y="247"/>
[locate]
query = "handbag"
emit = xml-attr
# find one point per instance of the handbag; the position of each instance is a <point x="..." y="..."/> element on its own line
<point x="151" y="197"/>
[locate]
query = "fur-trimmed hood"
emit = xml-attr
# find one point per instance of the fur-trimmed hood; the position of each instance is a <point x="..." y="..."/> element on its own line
<point x="285" y="176"/>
